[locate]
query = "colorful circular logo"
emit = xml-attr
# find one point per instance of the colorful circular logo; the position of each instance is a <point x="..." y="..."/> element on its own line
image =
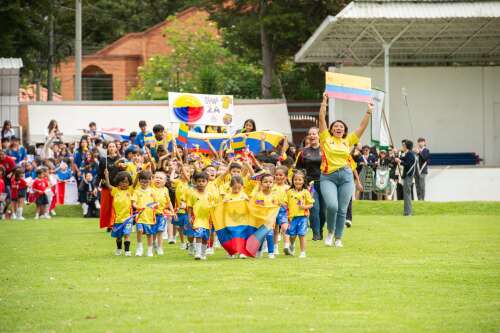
<point x="188" y="108"/>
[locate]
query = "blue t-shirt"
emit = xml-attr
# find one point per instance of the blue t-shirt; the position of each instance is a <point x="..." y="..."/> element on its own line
<point x="140" y="139"/>
<point x="18" y="155"/>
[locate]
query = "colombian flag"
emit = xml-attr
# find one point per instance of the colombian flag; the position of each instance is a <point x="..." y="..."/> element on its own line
<point x="238" y="144"/>
<point x="183" y="133"/>
<point x="252" y="140"/>
<point x="349" y="87"/>
<point x="235" y="221"/>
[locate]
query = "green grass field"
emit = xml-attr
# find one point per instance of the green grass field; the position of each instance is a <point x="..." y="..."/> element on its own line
<point x="438" y="271"/>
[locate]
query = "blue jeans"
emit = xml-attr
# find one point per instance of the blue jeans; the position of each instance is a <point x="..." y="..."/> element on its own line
<point x="317" y="216"/>
<point x="337" y="188"/>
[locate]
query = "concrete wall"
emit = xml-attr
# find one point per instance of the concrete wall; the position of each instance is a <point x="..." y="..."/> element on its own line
<point x="463" y="184"/>
<point x="456" y="108"/>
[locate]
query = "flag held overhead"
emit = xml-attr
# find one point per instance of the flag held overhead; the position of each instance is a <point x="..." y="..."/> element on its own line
<point x="349" y="87"/>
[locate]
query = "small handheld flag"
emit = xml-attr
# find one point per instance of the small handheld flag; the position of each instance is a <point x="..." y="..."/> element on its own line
<point x="238" y="144"/>
<point x="183" y="133"/>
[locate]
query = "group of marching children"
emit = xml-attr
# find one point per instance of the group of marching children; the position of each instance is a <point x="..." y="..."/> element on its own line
<point x="197" y="182"/>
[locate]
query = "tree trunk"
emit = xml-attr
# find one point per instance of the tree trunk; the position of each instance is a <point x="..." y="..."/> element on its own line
<point x="267" y="55"/>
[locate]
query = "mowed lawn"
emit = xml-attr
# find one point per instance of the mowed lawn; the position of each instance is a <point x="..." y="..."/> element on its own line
<point x="438" y="271"/>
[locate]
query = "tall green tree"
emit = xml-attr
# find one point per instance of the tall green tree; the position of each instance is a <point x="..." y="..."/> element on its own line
<point x="198" y="63"/>
<point x="269" y="32"/>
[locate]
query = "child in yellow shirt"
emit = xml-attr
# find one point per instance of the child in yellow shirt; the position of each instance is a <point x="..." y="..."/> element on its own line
<point x="144" y="200"/>
<point x="199" y="203"/>
<point x="122" y="208"/>
<point x="164" y="210"/>
<point x="181" y="186"/>
<point x="281" y="187"/>
<point x="299" y="201"/>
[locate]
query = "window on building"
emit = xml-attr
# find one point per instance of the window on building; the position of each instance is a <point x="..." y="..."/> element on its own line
<point x="96" y="84"/>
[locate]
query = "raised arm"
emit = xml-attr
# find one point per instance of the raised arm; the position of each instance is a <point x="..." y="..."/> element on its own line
<point x="364" y="122"/>
<point x="323" y="126"/>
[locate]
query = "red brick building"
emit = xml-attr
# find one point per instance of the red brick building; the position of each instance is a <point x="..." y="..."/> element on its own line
<point x="110" y="73"/>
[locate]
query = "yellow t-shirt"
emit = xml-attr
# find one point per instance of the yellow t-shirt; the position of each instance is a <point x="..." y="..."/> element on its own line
<point x="142" y="198"/>
<point x="132" y="169"/>
<point x="335" y="152"/>
<point x="296" y="198"/>
<point x="281" y="192"/>
<point x="249" y="185"/>
<point x="200" y="203"/>
<point x="266" y="200"/>
<point x="161" y="194"/>
<point x="213" y="189"/>
<point x="235" y="196"/>
<point x="181" y="191"/>
<point x="122" y="204"/>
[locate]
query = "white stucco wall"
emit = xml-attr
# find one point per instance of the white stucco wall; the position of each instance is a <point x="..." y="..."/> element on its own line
<point x="456" y="108"/>
<point x="463" y="184"/>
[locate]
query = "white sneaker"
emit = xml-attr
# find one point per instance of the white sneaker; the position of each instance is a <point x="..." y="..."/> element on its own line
<point x="118" y="252"/>
<point x="203" y="257"/>
<point x="329" y="239"/>
<point x="21" y="218"/>
<point x="47" y="216"/>
<point x="159" y="251"/>
<point x="197" y="256"/>
<point x="242" y="256"/>
<point x="37" y="217"/>
<point x="171" y="241"/>
<point x="234" y="256"/>
<point x="338" y="243"/>
<point x="13" y="217"/>
<point x="128" y="254"/>
<point x="150" y="251"/>
<point x="139" y="250"/>
<point x="183" y="246"/>
<point x="210" y="251"/>
<point x="302" y="254"/>
<point x="53" y="212"/>
<point x="271" y="256"/>
<point x="348" y="223"/>
<point x="165" y="236"/>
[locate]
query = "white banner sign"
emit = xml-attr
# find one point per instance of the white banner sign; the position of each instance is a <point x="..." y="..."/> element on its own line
<point x="216" y="110"/>
<point x="380" y="133"/>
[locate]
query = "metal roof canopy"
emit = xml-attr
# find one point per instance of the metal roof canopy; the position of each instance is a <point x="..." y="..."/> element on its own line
<point x="417" y="33"/>
<point x="406" y="33"/>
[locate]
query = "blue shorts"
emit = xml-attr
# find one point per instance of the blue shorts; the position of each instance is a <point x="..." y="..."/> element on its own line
<point x="121" y="229"/>
<point x="282" y="216"/>
<point x="147" y="229"/>
<point x="182" y="220"/>
<point x="298" y="226"/>
<point x="188" y="230"/>
<point x="161" y="223"/>
<point x="201" y="233"/>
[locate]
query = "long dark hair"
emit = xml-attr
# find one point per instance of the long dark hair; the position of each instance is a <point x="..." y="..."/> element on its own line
<point x="53" y="124"/>
<point x="251" y="121"/>
<point x="345" y="127"/>
<point x="5" y="124"/>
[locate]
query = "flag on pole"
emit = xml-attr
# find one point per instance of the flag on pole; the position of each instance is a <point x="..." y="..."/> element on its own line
<point x="183" y="133"/>
<point x="349" y="87"/>
<point x="380" y="132"/>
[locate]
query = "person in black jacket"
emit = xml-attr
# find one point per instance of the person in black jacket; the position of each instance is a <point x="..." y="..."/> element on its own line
<point x="423" y="155"/>
<point x="87" y="195"/>
<point x="408" y="161"/>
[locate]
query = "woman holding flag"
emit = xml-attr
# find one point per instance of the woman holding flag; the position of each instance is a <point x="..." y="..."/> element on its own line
<point x="336" y="180"/>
